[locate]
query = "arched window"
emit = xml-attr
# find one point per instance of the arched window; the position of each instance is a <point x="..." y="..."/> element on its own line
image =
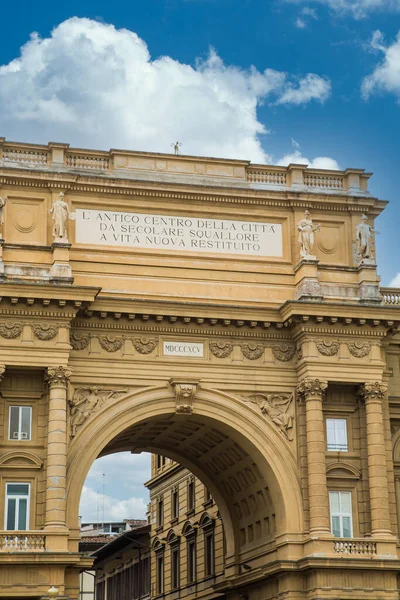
<point x="174" y="545"/>
<point x="191" y="551"/>
<point x="207" y="526"/>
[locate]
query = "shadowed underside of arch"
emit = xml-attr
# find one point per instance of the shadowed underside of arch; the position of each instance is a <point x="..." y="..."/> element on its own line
<point x="250" y="473"/>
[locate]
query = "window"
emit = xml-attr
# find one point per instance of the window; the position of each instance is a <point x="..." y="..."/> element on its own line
<point x="160" y="461"/>
<point x="17" y="506"/>
<point x="160" y="574"/>
<point x="336" y="434"/>
<point x="175" y="504"/>
<point x="191" y="495"/>
<point x="207" y="495"/>
<point x="175" y="567"/>
<point x="191" y="560"/>
<point x="160" y="513"/>
<point x="341" y="514"/>
<point x="209" y="553"/>
<point x="20" y="423"/>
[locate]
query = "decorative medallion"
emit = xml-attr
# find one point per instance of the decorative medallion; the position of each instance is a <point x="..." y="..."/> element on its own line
<point x="111" y="343"/>
<point x="45" y="331"/>
<point x="327" y="347"/>
<point x="221" y="349"/>
<point x="78" y="340"/>
<point x="252" y="351"/>
<point x="278" y="408"/>
<point x="145" y="345"/>
<point x="359" y="349"/>
<point x="86" y="401"/>
<point x="10" y="331"/>
<point x="283" y="352"/>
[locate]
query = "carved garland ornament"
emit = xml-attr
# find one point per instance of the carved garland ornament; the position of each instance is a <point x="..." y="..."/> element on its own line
<point x="328" y="347"/>
<point x="111" y="343"/>
<point x="78" y="340"/>
<point x="278" y="408"/>
<point x="221" y="349"/>
<point x="283" y="352"/>
<point x="10" y="331"/>
<point x="252" y="351"/>
<point x="145" y="345"/>
<point x="87" y="401"/>
<point x="45" y="331"/>
<point x="359" y="349"/>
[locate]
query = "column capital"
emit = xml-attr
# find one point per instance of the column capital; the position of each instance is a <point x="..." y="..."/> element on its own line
<point x="312" y="388"/>
<point x="373" y="391"/>
<point x="58" y="376"/>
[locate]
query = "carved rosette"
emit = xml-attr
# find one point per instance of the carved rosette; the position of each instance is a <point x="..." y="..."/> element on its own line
<point x="310" y="389"/>
<point x="145" y="345"/>
<point x="359" y="349"/>
<point x="45" y="331"/>
<point x="373" y="391"/>
<point x="185" y="391"/>
<point x="278" y="408"/>
<point x="111" y="343"/>
<point x="327" y="347"/>
<point x="58" y="376"/>
<point x="252" y="351"/>
<point x="10" y="331"/>
<point x="221" y="349"/>
<point x="78" y="340"/>
<point x="283" y="352"/>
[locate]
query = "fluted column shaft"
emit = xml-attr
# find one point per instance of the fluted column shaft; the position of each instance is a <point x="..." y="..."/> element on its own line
<point x="312" y="391"/>
<point x="57" y="379"/>
<point x="374" y="394"/>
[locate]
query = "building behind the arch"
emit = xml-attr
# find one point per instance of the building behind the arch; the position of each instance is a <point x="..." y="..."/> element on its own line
<point x="225" y="315"/>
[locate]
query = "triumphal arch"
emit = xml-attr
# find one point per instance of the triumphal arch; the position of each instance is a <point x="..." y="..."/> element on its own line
<point x="224" y="314"/>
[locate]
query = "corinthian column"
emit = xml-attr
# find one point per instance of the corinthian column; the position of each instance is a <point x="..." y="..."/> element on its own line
<point x="374" y="394"/>
<point x="312" y="391"/>
<point x="57" y="379"/>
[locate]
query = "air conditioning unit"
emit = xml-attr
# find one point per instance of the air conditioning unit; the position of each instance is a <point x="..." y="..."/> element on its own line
<point x="15" y="435"/>
<point x="24" y="436"/>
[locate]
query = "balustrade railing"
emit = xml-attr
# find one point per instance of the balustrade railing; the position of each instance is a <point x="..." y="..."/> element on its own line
<point x="25" y="156"/>
<point x="390" y="296"/>
<point x="323" y="181"/>
<point x="80" y="161"/>
<point x="263" y="176"/>
<point x="355" y="547"/>
<point x="22" y="541"/>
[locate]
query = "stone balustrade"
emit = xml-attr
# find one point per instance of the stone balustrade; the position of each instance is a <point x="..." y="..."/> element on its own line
<point x="22" y="541"/>
<point x="390" y="296"/>
<point x="355" y="547"/>
<point x="133" y="165"/>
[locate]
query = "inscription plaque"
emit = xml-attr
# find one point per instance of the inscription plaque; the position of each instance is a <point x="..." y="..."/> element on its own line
<point x="192" y="349"/>
<point x="168" y="232"/>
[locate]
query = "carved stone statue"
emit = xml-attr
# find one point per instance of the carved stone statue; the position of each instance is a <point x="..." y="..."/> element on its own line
<point x="3" y="202"/>
<point x="364" y="237"/>
<point x="85" y="402"/>
<point x="60" y="215"/>
<point x="278" y="408"/>
<point x="177" y="148"/>
<point x="306" y="231"/>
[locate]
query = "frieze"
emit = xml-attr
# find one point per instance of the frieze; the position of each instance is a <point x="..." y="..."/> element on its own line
<point x="86" y="401"/>
<point x="278" y="408"/>
<point x="111" y="343"/>
<point x="221" y="349"/>
<point x="10" y="331"/>
<point x="78" y="340"/>
<point x="45" y="331"/>
<point x="283" y="352"/>
<point x="359" y="349"/>
<point x="327" y="347"/>
<point x="145" y="345"/>
<point x="252" y="351"/>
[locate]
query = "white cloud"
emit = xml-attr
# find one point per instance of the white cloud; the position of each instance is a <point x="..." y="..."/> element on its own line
<point x="357" y="8"/>
<point x="395" y="281"/>
<point x="91" y="507"/>
<point x="92" y="85"/>
<point x="386" y="76"/>
<point x="300" y="23"/>
<point x="320" y="162"/>
<point x="306" y="14"/>
<point x="310" y="87"/>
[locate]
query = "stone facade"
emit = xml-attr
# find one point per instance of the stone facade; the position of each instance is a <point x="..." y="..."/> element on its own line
<point x="174" y="308"/>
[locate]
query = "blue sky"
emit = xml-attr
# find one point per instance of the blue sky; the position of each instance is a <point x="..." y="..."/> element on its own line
<point x="266" y="80"/>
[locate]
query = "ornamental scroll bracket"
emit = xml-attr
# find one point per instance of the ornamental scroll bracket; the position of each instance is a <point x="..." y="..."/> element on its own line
<point x="185" y="392"/>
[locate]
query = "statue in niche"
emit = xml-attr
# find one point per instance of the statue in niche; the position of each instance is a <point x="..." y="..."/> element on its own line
<point x="60" y="214"/>
<point x="3" y="202"/>
<point x="306" y="231"/>
<point x="364" y="238"/>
